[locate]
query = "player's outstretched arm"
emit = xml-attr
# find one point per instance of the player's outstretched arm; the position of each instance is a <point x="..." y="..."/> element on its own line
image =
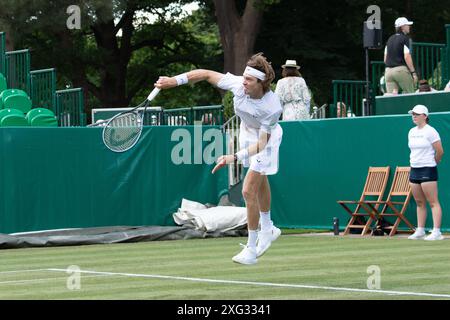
<point x="193" y="76"/>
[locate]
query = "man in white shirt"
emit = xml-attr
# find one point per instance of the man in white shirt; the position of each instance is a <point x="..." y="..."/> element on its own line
<point x="260" y="137"/>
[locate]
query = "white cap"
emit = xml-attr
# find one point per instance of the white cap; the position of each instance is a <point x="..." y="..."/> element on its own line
<point x="402" y="21"/>
<point x="419" y="109"/>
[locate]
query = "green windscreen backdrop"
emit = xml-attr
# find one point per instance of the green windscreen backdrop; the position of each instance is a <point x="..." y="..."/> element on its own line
<point x="322" y="161"/>
<point x="54" y="178"/>
<point x="436" y="101"/>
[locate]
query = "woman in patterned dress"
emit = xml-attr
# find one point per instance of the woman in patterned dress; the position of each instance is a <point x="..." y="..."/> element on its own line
<point x="294" y="93"/>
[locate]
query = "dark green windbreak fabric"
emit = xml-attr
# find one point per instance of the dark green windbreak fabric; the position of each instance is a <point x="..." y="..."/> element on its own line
<point x="322" y="161"/>
<point x="52" y="178"/>
<point x="436" y="101"/>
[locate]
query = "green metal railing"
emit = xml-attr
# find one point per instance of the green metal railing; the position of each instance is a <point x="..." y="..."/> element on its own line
<point x="43" y="88"/>
<point x="209" y="114"/>
<point x="428" y="59"/>
<point x="70" y="108"/>
<point x="350" y="92"/>
<point x="189" y="116"/>
<point x="377" y="68"/>
<point x="17" y="69"/>
<point x="2" y="52"/>
<point x="446" y="57"/>
<point x="431" y="61"/>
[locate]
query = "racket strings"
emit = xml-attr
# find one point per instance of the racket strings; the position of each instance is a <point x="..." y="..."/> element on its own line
<point x="122" y="132"/>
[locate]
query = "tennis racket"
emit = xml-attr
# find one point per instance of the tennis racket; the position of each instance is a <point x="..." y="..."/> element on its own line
<point x="123" y="131"/>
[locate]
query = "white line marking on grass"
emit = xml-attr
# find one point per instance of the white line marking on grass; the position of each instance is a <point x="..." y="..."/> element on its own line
<point x="20" y="271"/>
<point x="45" y="279"/>
<point x="266" y="284"/>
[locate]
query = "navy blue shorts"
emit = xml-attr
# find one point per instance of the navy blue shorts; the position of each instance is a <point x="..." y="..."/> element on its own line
<point x="425" y="174"/>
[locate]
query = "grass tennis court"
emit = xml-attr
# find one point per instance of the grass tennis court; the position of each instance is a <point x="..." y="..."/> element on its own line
<point x="295" y="267"/>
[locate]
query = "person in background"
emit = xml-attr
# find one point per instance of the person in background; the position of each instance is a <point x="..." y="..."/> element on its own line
<point x="426" y="153"/>
<point x="293" y="92"/>
<point x="424" y="86"/>
<point x="341" y="110"/>
<point x="400" y="72"/>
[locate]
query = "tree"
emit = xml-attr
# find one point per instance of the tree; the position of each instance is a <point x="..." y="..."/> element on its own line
<point x="117" y="53"/>
<point x="326" y="38"/>
<point x="239" y="24"/>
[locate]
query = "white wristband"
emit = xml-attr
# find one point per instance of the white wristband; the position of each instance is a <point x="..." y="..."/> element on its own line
<point x="242" y="154"/>
<point x="182" y="79"/>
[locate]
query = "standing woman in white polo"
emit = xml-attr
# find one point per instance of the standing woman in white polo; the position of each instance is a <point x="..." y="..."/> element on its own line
<point x="260" y="137"/>
<point x="426" y="153"/>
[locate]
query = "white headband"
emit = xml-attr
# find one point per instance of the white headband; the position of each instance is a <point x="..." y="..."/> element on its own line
<point x="249" y="71"/>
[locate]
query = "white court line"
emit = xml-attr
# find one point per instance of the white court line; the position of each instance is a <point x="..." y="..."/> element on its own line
<point x="267" y="284"/>
<point x="20" y="271"/>
<point x="45" y="279"/>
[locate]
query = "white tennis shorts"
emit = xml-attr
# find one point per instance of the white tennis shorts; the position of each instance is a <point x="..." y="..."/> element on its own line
<point x="266" y="161"/>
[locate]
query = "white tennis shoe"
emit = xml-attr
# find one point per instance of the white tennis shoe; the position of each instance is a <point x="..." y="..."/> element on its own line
<point x="246" y="256"/>
<point x="434" y="236"/>
<point x="265" y="239"/>
<point x="417" y="235"/>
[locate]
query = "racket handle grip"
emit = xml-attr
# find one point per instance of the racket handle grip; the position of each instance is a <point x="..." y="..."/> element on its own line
<point x="153" y="94"/>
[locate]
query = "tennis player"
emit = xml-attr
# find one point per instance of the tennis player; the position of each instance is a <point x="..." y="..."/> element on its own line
<point x="260" y="137"/>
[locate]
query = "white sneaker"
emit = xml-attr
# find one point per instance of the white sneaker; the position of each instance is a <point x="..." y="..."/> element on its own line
<point x="434" y="236"/>
<point x="246" y="256"/>
<point x="265" y="239"/>
<point x="417" y="235"/>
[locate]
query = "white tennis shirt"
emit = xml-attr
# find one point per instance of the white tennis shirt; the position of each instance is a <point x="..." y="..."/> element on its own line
<point x="261" y="113"/>
<point x="420" y="141"/>
<point x="256" y="115"/>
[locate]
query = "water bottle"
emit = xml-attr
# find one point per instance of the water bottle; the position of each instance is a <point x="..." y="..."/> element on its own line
<point x="336" y="226"/>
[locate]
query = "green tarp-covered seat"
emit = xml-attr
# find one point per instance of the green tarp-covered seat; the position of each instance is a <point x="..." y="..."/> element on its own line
<point x="41" y="117"/>
<point x="44" y="120"/>
<point x="17" y="101"/>
<point x="12" y="117"/>
<point x="9" y="92"/>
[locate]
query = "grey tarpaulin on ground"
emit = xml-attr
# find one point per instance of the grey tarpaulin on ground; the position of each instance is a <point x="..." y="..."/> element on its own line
<point x="107" y="235"/>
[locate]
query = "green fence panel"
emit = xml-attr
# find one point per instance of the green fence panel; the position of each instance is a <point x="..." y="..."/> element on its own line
<point x="43" y="88"/>
<point x="350" y="92"/>
<point x="18" y="69"/>
<point x="325" y="160"/>
<point x="446" y="61"/>
<point x="2" y="52"/>
<point x="70" y="108"/>
<point x="436" y="101"/>
<point x="210" y="115"/>
<point x="56" y="178"/>
<point x="377" y="72"/>
<point x="427" y="59"/>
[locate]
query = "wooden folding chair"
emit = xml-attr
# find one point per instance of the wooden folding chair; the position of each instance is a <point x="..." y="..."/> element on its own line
<point x="374" y="187"/>
<point x="396" y="203"/>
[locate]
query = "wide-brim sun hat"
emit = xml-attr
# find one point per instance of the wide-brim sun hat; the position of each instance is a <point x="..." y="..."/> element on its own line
<point x="290" y="64"/>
